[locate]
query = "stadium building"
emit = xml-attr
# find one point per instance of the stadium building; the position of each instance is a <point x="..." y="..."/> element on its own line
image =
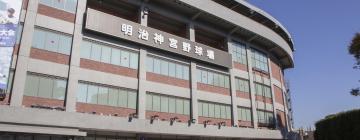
<point x="147" y="70"/>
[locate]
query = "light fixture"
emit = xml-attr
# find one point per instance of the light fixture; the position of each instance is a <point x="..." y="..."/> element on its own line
<point x="172" y="120"/>
<point x="131" y="116"/>
<point x="206" y="122"/>
<point x="152" y="118"/>
<point x="221" y="124"/>
<point x="190" y="121"/>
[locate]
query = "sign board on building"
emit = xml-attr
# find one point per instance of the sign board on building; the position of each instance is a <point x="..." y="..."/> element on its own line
<point x="121" y="28"/>
<point x="9" y="19"/>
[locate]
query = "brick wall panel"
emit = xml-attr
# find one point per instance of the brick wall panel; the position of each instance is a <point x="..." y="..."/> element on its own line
<point x="166" y="116"/>
<point x="104" y="109"/>
<point x="49" y="56"/>
<point x="167" y="80"/>
<point x="56" y="13"/>
<point x="109" y="68"/>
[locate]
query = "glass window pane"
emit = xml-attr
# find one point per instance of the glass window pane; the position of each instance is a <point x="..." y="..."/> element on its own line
<point x="82" y="93"/>
<point x="156" y="103"/>
<point x="179" y="71"/>
<point x="149" y="64"/>
<point x="200" y="111"/>
<point x="164" y="68"/>
<point x="186" y="107"/>
<point x="210" y="78"/>
<point x="227" y="82"/>
<point x="204" y="77"/>
<point x="156" y="66"/>
<point x="52" y="42"/>
<point x="205" y="109"/>
<point x="179" y="106"/>
<point x="134" y="60"/>
<point x="198" y="75"/>
<point x="59" y="89"/>
<point x="103" y="94"/>
<point x="59" y="4"/>
<point x="217" y="111"/>
<point x="228" y="112"/>
<point x="125" y="56"/>
<point x="164" y="104"/>
<point x="172" y="70"/>
<point x="113" y="96"/>
<point x="45" y="87"/>
<point x="186" y="72"/>
<point x="216" y="80"/>
<point x="132" y="99"/>
<point x="172" y="106"/>
<point x="70" y="5"/>
<point x="149" y="102"/>
<point x="47" y="2"/>
<point x="92" y="94"/>
<point x="222" y="80"/>
<point x="85" y="50"/>
<point x="105" y="54"/>
<point x="38" y="39"/>
<point x="95" y="52"/>
<point x="32" y="85"/>
<point x="115" y="56"/>
<point x="65" y="44"/>
<point x="223" y="112"/>
<point x="211" y="110"/>
<point x="122" y="101"/>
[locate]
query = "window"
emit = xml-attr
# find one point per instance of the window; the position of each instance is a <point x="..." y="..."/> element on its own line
<point x="262" y="90"/>
<point x="214" y="79"/>
<point x="168" y="104"/>
<point x="244" y="114"/>
<point x="52" y="41"/>
<point x="167" y="68"/>
<point x="239" y="53"/>
<point x="214" y="110"/>
<point x="265" y="117"/>
<point x="242" y="85"/>
<point x="259" y="60"/>
<point x="45" y="87"/>
<point x="110" y="55"/>
<point x="19" y="33"/>
<point x="66" y="5"/>
<point x="104" y="95"/>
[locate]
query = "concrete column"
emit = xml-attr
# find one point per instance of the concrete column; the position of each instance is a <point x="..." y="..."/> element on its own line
<point x="191" y="32"/>
<point x="252" y="87"/>
<point x="234" y="104"/>
<point x="141" y="85"/>
<point x="142" y="70"/>
<point x="24" y="53"/>
<point x="194" y="99"/>
<point x="272" y="92"/>
<point x="74" y="69"/>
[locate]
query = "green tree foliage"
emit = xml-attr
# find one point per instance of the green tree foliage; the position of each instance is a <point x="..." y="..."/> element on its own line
<point x="354" y="49"/>
<point x="342" y="126"/>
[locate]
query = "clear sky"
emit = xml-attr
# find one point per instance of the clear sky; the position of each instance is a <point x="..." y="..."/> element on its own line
<point x="323" y="74"/>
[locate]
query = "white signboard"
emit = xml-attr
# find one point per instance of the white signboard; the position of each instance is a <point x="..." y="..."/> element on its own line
<point x="9" y="20"/>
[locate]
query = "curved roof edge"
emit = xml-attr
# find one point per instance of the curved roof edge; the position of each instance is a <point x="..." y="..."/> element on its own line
<point x="267" y="15"/>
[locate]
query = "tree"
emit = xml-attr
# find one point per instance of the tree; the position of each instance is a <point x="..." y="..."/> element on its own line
<point x="354" y="50"/>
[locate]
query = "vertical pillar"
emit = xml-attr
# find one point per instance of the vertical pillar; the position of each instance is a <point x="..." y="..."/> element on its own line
<point x="234" y="104"/>
<point x="24" y="53"/>
<point x="74" y="68"/>
<point x="272" y="92"/>
<point x="252" y="87"/>
<point x="142" y="70"/>
<point x="193" y="80"/>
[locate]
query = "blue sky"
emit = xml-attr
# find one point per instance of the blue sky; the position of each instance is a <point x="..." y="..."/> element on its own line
<point x="323" y="74"/>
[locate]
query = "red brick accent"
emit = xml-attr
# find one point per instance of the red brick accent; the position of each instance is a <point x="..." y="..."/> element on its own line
<point x="213" y="89"/>
<point x="166" y="116"/>
<point x="109" y="68"/>
<point x="56" y="13"/>
<point x="245" y="123"/>
<point x="214" y="121"/>
<point x="240" y="66"/>
<point x="281" y="118"/>
<point x="275" y="71"/>
<point x="261" y="73"/>
<point x="25" y="4"/>
<point x="49" y="56"/>
<point x="167" y="80"/>
<point x="241" y="94"/>
<point x="264" y="99"/>
<point x="104" y="109"/>
<point x="6" y="100"/>
<point x="278" y="95"/>
<point x="30" y="100"/>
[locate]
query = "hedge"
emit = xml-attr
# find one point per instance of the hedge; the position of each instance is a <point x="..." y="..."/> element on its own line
<point x="341" y="126"/>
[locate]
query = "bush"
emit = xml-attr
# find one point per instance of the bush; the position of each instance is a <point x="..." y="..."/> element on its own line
<point x="341" y="126"/>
